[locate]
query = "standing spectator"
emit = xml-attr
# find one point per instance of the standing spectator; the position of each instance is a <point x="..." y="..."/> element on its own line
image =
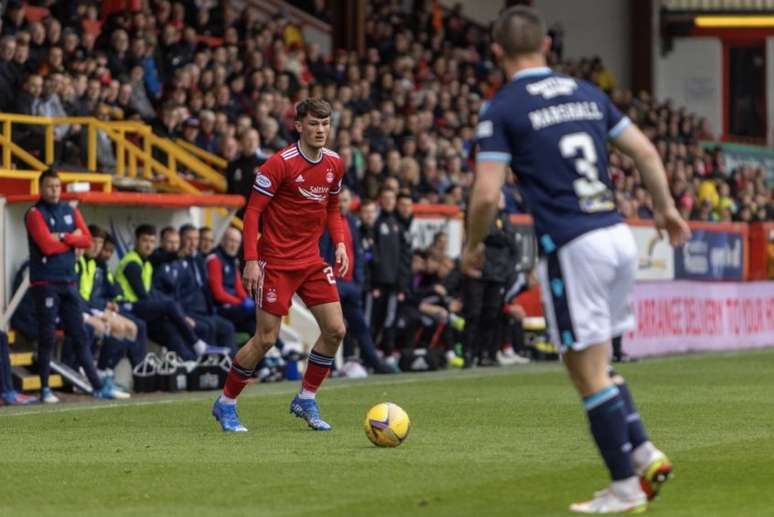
<point x="389" y="277"/>
<point x="483" y="297"/>
<point x="55" y="230"/>
<point x="350" y="285"/>
<point x="225" y="282"/>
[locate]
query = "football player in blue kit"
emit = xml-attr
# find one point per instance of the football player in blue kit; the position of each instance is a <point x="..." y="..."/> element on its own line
<point x="553" y="131"/>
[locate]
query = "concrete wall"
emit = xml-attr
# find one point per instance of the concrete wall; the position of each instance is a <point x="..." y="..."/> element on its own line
<point x="692" y="76"/>
<point x="591" y="27"/>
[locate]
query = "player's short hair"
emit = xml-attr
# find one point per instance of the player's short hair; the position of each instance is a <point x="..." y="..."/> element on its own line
<point x="97" y="232"/>
<point x="48" y="173"/>
<point x="313" y="106"/>
<point x="144" y="229"/>
<point x="519" y="30"/>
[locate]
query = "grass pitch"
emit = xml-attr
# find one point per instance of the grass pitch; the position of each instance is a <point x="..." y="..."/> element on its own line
<point x="484" y="442"/>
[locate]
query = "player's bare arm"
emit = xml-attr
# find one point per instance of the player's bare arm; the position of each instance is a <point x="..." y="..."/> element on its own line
<point x="490" y="176"/>
<point x="635" y="144"/>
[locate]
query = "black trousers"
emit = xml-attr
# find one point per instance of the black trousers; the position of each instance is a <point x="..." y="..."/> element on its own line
<point x="382" y="316"/>
<point x="63" y="301"/>
<point x="482" y="303"/>
<point x="167" y="325"/>
<point x="215" y="330"/>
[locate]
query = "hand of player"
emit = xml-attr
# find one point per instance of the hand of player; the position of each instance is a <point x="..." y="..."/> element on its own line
<point x="251" y="278"/>
<point x="342" y="260"/>
<point x="473" y="260"/>
<point x="671" y="221"/>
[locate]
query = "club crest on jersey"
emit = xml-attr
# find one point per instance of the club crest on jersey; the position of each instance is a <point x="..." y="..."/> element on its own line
<point x="329" y="176"/>
<point x="262" y="181"/>
<point x="271" y="295"/>
<point x="68" y="219"/>
<point x="318" y="194"/>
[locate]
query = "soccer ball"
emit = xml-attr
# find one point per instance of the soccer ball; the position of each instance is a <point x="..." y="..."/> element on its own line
<point x="387" y="425"/>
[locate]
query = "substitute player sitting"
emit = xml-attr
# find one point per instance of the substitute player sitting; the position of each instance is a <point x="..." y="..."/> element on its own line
<point x="294" y="194"/>
<point x="553" y="130"/>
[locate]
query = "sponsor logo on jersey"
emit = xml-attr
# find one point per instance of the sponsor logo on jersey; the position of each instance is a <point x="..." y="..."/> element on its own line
<point x="485" y="129"/>
<point x="329" y="176"/>
<point x="262" y="181"/>
<point x="553" y="87"/>
<point x="318" y="194"/>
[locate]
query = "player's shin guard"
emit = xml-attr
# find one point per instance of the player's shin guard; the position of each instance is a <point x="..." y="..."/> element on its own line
<point x="237" y="379"/>
<point x="637" y="433"/>
<point x="317" y="369"/>
<point x="607" y="418"/>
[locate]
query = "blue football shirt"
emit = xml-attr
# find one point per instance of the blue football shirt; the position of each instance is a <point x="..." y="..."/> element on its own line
<point x="553" y="130"/>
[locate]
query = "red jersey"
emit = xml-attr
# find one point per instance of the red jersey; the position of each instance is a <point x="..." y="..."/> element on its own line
<point x="294" y="197"/>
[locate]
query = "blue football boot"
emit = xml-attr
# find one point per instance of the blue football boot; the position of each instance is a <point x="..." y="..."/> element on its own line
<point x="227" y="415"/>
<point x="308" y="410"/>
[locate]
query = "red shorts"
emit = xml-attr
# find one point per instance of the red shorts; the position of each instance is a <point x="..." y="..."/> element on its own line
<point x="315" y="284"/>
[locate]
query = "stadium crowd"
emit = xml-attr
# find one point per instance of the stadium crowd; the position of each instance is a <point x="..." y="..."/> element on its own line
<point x="221" y="77"/>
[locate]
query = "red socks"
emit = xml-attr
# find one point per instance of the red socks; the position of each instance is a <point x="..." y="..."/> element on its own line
<point x="236" y="380"/>
<point x="317" y="369"/>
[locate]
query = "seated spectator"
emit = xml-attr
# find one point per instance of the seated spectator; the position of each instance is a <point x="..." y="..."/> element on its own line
<point x="121" y="335"/>
<point x="225" y="283"/>
<point x="240" y="173"/>
<point x="206" y="241"/>
<point x="166" y="321"/>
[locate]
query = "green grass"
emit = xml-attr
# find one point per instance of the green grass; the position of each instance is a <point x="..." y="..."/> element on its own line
<point x="484" y="442"/>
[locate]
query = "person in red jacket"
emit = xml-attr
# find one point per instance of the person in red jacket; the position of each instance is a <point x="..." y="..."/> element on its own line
<point x="54" y="231"/>
<point x="225" y="281"/>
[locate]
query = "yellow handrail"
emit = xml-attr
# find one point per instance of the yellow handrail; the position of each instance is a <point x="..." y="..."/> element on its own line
<point x="205" y="156"/>
<point x="128" y="153"/>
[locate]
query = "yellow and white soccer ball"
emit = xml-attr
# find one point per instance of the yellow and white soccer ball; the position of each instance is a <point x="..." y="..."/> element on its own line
<point x="387" y="425"/>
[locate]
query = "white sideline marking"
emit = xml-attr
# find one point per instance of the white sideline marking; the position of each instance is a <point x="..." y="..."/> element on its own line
<point x="292" y="387"/>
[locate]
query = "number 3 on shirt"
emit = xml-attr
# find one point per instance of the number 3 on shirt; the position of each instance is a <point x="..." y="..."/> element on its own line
<point x="588" y="185"/>
<point x="328" y="270"/>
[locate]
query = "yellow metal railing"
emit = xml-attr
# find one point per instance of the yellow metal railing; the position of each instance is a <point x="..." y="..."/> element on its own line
<point x="138" y="152"/>
<point x="213" y="160"/>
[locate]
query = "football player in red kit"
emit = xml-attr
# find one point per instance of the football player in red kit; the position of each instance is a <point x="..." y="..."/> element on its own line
<point x="295" y="193"/>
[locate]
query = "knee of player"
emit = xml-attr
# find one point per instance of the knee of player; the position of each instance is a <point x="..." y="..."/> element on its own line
<point x="335" y="332"/>
<point x="264" y="340"/>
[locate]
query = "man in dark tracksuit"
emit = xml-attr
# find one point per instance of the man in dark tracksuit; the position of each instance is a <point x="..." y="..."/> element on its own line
<point x="225" y="282"/>
<point x="483" y="297"/>
<point x="193" y="293"/>
<point x="350" y="286"/>
<point x="166" y="321"/>
<point x="54" y="230"/>
<point x="389" y="275"/>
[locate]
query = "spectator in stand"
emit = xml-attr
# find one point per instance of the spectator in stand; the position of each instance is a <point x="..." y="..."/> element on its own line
<point x="55" y="230"/>
<point x="166" y="321"/>
<point x="240" y="173"/>
<point x="8" y="395"/>
<point x="350" y="287"/>
<point x="225" y="283"/>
